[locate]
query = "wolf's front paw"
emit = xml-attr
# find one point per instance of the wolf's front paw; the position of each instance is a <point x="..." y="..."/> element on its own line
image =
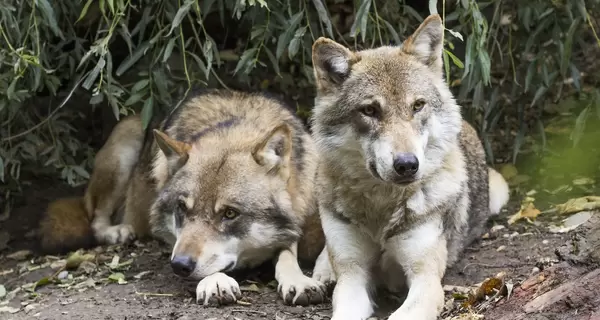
<point x="412" y="314"/>
<point x="218" y="289"/>
<point x="298" y="289"/>
<point x="324" y="273"/>
<point x="117" y="234"/>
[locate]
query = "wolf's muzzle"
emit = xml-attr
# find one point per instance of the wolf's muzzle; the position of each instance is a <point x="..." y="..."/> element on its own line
<point x="183" y="266"/>
<point x="406" y="165"/>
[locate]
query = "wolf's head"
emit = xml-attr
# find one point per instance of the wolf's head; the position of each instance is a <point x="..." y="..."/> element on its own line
<point x="224" y="205"/>
<point x="387" y="109"/>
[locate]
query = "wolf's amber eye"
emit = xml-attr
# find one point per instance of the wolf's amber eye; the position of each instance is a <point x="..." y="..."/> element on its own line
<point x="418" y="105"/>
<point x="230" y="214"/>
<point x="371" y="110"/>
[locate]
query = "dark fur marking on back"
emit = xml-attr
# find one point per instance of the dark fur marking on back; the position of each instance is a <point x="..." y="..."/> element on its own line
<point x="219" y="125"/>
<point x="298" y="145"/>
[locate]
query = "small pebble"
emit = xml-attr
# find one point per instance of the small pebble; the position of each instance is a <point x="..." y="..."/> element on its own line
<point x="535" y="270"/>
<point x="497" y="228"/>
<point x="30" y="307"/>
<point x="501" y="248"/>
<point x="63" y="275"/>
<point x="506" y="235"/>
<point x="514" y="234"/>
<point x="545" y="241"/>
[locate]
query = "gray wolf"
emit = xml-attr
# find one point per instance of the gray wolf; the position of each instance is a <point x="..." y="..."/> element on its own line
<point x="227" y="179"/>
<point x="402" y="183"/>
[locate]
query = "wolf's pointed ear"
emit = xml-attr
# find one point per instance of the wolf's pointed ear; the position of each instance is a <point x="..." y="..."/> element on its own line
<point x="177" y="152"/>
<point x="274" y="151"/>
<point x="426" y="43"/>
<point x="332" y="63"/>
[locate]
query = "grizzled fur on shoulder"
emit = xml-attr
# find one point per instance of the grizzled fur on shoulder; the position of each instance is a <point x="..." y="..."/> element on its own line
<point x="226" y="178"/>
<point x="403" y="185"/>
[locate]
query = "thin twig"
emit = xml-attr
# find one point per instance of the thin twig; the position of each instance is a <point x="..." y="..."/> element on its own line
<point x="249" y="311"/>
<point x="150" y="294"/>
<point x="509" y="265"/>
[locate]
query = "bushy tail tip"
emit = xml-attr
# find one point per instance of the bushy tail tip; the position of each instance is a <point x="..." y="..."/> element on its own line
<point x="499" y="191"/>
<point x="65" y="227"/>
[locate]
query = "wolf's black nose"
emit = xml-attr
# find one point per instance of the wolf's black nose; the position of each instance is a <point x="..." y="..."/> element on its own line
<point x="406" y="164"/>
<point x="183" y="266"/>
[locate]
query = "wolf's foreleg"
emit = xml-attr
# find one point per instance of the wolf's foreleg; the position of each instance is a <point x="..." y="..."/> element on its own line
<point x="295" y="287"/>
<point x="422" y="254"/>
<point x="352" y="255"/>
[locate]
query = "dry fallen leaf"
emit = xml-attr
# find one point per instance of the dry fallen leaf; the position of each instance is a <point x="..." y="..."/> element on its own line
<point x="117" y="277"/>
<point x="468" y="316"/>
<point x="5" y="272"/>
<point x="588" y="203"/>
<point x="571" y="223"/>
<point x="583" y="181"/>
<point x="115" y="261"/>
<point x="253" y="288"/>
<point x="30" y="307"/>
<point x="19" y="255"/>
<point x="142" y="274"/>
<point x="489" y="286"/>
<point x="76" y="258"/>
<point x="9" y="309"/>
<point x="528" y="211"/>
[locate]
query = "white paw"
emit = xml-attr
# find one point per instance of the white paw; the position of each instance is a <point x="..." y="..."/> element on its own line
<point x="297" y="289"/>
<point x="421" y="314"/>
<point x="218" y="288"/>
<point x="323" y="272"/>
<point x="116" y="234"/>
<point x="427" y="305"/>
<point x="351" y="302"/>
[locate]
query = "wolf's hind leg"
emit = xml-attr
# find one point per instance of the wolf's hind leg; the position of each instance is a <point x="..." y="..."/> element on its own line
<point x="113" y="166"/>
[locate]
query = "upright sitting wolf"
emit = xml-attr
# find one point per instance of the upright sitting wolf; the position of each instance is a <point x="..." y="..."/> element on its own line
<point x="403" y="185"/>
<point x="227" y="178"/>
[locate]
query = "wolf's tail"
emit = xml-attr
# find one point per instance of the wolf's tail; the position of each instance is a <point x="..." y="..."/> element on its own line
<point x="499" y="192"/>
<point x="66" y="226"/>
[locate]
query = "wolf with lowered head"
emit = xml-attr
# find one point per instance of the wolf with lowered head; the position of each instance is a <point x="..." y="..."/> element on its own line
<point x="227" y="179"/>
<point x="403" y="183"/>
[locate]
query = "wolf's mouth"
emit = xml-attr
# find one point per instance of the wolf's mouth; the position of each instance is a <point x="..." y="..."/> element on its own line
<point x="404" y="181"/>
<point x="373" y="170"/>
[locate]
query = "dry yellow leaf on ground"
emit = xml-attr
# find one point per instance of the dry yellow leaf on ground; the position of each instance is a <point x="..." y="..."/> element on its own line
<point x="528" y="211"/>
<point x="588" y="203"/>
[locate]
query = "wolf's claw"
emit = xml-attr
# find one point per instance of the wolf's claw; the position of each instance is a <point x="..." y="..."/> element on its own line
<point x="218" y="289"/>
<point x="298" y="289"/>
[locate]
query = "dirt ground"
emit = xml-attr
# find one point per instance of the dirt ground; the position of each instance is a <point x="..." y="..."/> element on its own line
<point x="141" y="285"/>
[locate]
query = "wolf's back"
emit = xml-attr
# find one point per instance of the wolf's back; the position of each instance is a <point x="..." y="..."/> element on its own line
<point x="488" y="191"/>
